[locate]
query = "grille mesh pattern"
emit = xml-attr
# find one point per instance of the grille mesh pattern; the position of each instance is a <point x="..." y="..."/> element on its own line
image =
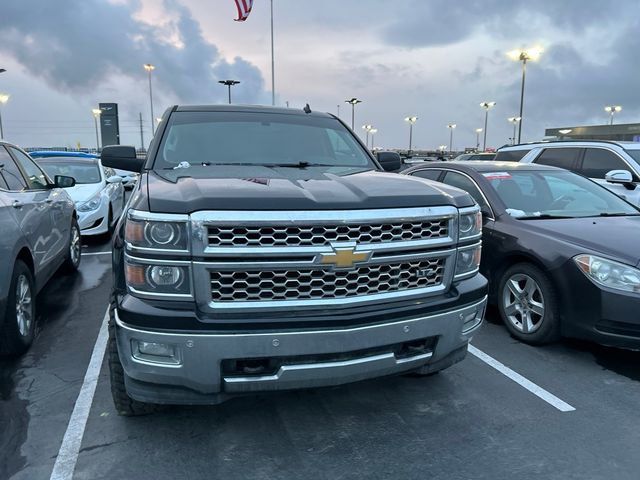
<point x="317" y="284"/>
<point x="318" y="235"/>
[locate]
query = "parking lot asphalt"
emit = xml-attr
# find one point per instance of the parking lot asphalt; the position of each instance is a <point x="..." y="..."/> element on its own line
<point x="474" y="420"/>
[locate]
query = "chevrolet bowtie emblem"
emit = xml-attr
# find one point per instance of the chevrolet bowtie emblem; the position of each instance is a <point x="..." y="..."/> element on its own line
<point x="344" y="257"/>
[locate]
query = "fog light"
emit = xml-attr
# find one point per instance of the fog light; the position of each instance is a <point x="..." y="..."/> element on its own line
<point x="163" y="276"/>
<point x="155" y="352"/>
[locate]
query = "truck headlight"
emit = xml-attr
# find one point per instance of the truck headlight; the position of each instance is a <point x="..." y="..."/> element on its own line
<point x="470" y="224"/>
<point x="608" y="273"/>
<point x="92" y="204"/>
<point x="468" y="261"/>
<point x="157" y="279"/>
<point x="165" y="235"/>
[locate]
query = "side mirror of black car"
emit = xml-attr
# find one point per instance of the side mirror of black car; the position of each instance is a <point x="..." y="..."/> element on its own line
<point x="121" y="157"/>
<point x="390" y="161"/>
<point x="62" y="181"/>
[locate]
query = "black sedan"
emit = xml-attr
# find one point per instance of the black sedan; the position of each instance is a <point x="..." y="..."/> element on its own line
<point x="562" y="253"/>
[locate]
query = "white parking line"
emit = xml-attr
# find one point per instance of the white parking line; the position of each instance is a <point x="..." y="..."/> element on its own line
<point x="70" y="448"/>
<point x="84" y="254"/>
<point x="523" y="382"/>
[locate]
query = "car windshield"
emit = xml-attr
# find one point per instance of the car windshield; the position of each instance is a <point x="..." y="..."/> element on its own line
<point x="82" y="172"/>
<point x="250" y="138"/>
<point x="555" y="194"/>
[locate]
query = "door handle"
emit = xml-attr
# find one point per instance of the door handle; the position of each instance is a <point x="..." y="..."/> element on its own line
<point x="17" y="204"/>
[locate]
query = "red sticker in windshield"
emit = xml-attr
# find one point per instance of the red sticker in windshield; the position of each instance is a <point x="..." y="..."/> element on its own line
<point x="497" y="176"/>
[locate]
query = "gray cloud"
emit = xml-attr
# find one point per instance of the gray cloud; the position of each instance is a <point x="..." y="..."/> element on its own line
<point x="75" y="44"/>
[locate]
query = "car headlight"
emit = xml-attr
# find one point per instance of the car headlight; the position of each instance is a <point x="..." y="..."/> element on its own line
<point x="468" y="261"/>
<point x="166" y="235"/>
<point x="470" y="224"/>
<point x="608" y="273"/>
<point x="92" y="204"/>
<point x="157" y="278"/>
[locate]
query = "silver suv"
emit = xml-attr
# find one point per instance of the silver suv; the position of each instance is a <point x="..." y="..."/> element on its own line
<point x="615" y="165"/>
<point x="39" y="234"/>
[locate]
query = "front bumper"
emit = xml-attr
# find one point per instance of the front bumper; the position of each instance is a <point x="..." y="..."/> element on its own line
<point x="95" y="222"/>
<point x="324" y="357"/>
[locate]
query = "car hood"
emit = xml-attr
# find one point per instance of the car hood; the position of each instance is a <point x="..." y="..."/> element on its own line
<point x="613" y="237"/>
<point x="314" y="188"/>
<point x="83" y="192"/>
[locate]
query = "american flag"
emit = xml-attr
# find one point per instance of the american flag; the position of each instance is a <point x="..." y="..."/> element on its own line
<point x="244" y="9"/>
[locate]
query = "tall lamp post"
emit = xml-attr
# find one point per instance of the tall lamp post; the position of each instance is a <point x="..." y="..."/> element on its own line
<point x="354" y="101"/>
<point x="229" y="84"/>
<point x="367" y="129"/>
<point x="411" y="121"/>
<point x="487" y="106"/>
<point x="96" y="115"/>
<point x="451" y="127"/>
<point x="612" y="110"/>
<point x="478" y="132"/>
<point x="524" y="55"/>
<point x="373" y="132"/>
<point x="4" y="98"/>
<point x="150" y="68"/>
<point x="515" y="121"/>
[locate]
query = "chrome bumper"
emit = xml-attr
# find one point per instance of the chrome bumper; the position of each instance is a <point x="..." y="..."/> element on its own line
<point x="194" y="375"/>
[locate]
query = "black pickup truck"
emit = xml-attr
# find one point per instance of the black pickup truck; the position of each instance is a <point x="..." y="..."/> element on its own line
<point x="267" y="249"/>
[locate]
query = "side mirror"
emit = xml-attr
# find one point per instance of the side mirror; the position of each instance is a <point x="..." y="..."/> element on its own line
<point x="114" y="179"/>
<point x="389" y="161"/>
<point x="62" y="181"/>
<point x="486" y="212"/>
<point x="121" y="157"/>
<point x="620" y="177"/>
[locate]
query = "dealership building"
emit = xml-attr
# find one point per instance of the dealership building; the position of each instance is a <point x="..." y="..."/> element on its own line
<point x="624" y="132"/>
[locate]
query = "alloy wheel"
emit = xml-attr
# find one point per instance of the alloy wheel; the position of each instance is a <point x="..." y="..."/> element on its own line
<point x="74" y="247"/>
<point x="523" y="303"/>
<point x="24" y="305"/>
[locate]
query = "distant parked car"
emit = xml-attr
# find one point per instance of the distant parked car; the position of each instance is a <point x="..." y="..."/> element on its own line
<point x="560" y="252"/>
<point x="40" y="233"/>
<point x="614" y="165"/>
<point x="487" y="156"/>
<point x="98" y="192"/>
<point x="129" y="179"/>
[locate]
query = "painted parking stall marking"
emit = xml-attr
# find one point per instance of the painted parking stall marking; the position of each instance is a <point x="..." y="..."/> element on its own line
<point x="522" y="381"/>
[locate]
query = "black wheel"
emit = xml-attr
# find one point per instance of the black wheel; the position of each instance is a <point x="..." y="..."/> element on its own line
<point x="74" y="252"/>
<point x="528" y="305"/>
<point x="18" y="329"/>
<point x="125" y="405"/>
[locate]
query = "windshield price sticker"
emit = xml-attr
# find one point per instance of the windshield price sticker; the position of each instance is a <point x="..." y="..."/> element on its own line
<point x="497" y="176"/>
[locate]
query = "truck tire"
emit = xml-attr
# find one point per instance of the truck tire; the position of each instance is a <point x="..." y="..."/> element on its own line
<point x="74" y="251"/>
<point x="18" y="329"/>
<point x="125" y="405"/>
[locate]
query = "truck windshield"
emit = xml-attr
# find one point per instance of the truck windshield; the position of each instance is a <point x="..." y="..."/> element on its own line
<point x="252" y="138"/>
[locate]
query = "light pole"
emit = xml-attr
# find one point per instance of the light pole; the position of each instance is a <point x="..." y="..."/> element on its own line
<point x="411" y="121"/>
<point x="478" y="132"/>
<point x="451" y="127"/>
<point x="150" y="68"/>
<point x="373" y="132"/>
<point x="96" y="115"/>
<point x="487" y="106"/>
<point x="367" y="128"/>
<point x="515" y="121"/>
<point x="612" y="110"/>
<point x="354" y="101"/>
<point x="4" y="98"/>
<point x="524" y="56"/>
<point x="229" y="84"/>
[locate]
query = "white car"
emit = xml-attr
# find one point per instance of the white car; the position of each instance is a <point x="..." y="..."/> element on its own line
<point x="129" y="179"/>
<point x="614" y="165"/>
<point x="98" y="192"/>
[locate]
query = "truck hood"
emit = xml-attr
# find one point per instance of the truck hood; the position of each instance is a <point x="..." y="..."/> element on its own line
<point x="274" y="188"/>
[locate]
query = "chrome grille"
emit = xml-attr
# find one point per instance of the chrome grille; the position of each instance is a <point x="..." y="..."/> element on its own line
<point x="319" y="235"/>
<point x="318" y="284"/>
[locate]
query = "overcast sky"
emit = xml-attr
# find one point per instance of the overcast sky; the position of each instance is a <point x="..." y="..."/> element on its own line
<point x="437" y="59"/>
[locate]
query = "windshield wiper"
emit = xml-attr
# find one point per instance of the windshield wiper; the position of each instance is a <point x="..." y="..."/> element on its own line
<point x="300" y="165"/>
<point x="616" y="214"/>
<point x="543" y="216"/>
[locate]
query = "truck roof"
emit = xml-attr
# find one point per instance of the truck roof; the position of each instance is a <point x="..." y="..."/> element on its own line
<point x="248" y="109"/>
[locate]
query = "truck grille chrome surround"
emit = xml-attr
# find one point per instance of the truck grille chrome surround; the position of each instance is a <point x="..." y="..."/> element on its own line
<point x="273" y="260"/>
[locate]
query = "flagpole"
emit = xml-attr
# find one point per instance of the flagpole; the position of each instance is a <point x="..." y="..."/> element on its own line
<point x="273" y="73"/>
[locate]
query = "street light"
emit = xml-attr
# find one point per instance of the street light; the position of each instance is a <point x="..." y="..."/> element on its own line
<point x="150" y="68"/>
<point x="524" y="56"/>
<point x="367" y="128"/>
<point x="373" y="131"/>
<point x="515" y="121"/>
<point x="478" y="132"/>
<point x="4" y="98"/>
<point x="354" y="101"/>
<point x="612" y="110"/>
<point x="411" y="121"/>
<point x="229" y="84"/>
<point x="96" y="115"/>
<point x="487" y="106"/>
<point x="451" y="126"/>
